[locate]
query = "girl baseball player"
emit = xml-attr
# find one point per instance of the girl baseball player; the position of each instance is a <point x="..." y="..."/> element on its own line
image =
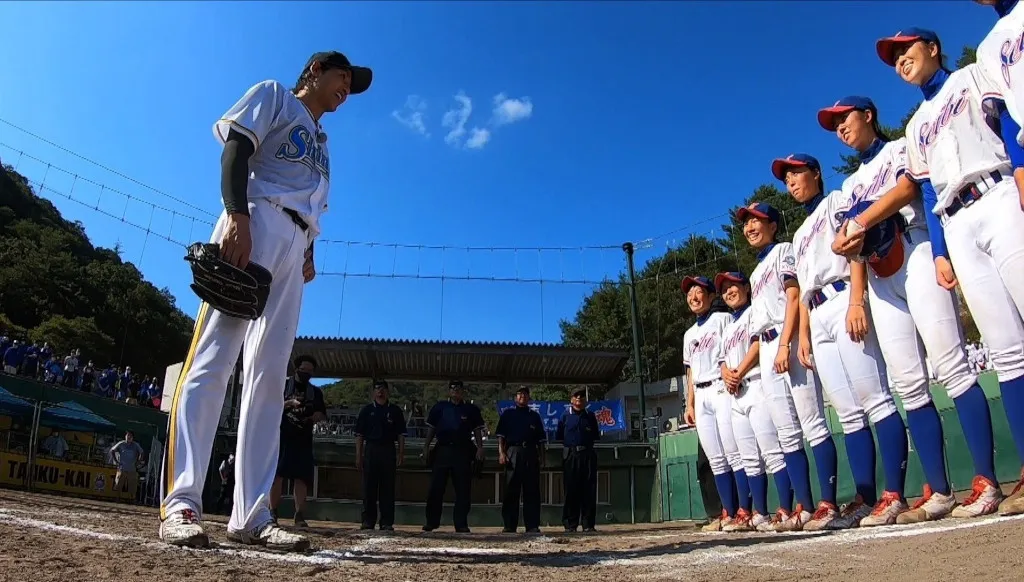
<point x="791" y="392"/>
<point x="909" y="309"/>
<point x="708" y="404"/>
<point x="756" y="436"/>
<point x="834" y="328"/>
<point x="964" y="154"/>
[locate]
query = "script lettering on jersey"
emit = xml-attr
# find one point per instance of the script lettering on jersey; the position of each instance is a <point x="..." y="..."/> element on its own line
<point x="1009" y="55"/>
<point x="869" y="190"/>
<point x="303" y="147"/>
<point x="739" y="337"/>
<point x="954" y="106"/>
<point x="818" y="227"/>
<point x="760" y="284"/>
<point x="706" y="342"/>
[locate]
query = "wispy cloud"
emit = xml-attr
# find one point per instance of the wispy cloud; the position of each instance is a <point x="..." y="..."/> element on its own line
<point x="455" y="119"/>
<point x="478" y="138"/>
<point x="508" y="110"/>
<point x="411" y="115"/>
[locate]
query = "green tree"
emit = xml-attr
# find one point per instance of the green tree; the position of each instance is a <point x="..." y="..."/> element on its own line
<point x="80" y="333"/>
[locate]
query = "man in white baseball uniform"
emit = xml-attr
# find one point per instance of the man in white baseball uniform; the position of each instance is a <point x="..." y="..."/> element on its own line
<point x="275" y="181"/>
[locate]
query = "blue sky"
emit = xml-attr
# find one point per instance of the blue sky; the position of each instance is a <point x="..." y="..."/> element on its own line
<point x="619" y="121"/>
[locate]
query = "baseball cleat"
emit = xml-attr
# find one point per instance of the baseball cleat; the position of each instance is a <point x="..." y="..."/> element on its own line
<point x="796" y="520"/>
<point x="1014" y="503"/>
<point x="885" y="512"/>
<point x="930" y="507"/>
<point x="716" y="524"/>
<point x="182" y="528"/>
<point x="781" y="515"/>
<point x="760" y="522"/>
<point x="740" y="523"/>
<point x="270" y="536"/>
<point x="851" y="514"/>
<point x="823" y="516"/>
<point x="983" y="500"/>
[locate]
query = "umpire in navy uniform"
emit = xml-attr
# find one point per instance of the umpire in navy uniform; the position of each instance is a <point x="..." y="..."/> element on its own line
<point x="456" y="424"/>
<point x="521" y="441"/>
<point x="379" y="426"/>
<point x="578" y="430"/>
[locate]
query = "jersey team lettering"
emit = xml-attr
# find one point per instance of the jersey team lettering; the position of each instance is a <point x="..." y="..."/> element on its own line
<point x="1009" y="55"/>
<point x="929" y="130"/>
<point x="303" y="147"/>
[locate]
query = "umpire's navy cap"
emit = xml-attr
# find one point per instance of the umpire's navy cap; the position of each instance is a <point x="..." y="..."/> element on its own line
<point x="523" y="390"/>
<point x="455" y="384"/>
<point x="381" y="384"/>
<point x="887" y="46"/>
<point x="361" y="76"/>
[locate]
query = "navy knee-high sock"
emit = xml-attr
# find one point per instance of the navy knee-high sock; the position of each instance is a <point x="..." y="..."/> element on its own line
<point x="759" y="492"/>
<point x="860" y="447"/>
<point x="799" y="472"/>
<point x="784" y="487"/>
<point x="742" y="489"/>
<point x="1013" y="403"/>
<point x="726" y="485"/>
<point x="926" y="430"/>
<point x="892" y="441"/>
<point x="826" y="461"/>
<point x="976" y="422"/>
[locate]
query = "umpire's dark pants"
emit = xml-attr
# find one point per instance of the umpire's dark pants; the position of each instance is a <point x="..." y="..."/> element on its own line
<point x="708" y="490"/>
<point x="379" y="466"/>
<point x="454" y="460"/>
<point x="522" y="476"/>
<point x="579" y="487"/>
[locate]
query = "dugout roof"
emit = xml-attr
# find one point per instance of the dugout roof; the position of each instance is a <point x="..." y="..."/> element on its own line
<point x="467" y="361"/>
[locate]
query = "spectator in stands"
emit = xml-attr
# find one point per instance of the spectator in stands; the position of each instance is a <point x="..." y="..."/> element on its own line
<point x="45" y="353"/>
<point x="5" y="342"/>
<point x="30" y="367"/>
<point x="108" y="381"/>
<point x="54" y="370"/>
<point x="88" y="377"/>
<point x="128" y="456"/>
<point x="124" y="381"/>
<point x="71" y="369"/>
<point x="12" y="358"/>
<point x="55" y="445"/>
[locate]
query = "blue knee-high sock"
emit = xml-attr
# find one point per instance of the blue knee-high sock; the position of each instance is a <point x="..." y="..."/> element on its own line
<point x="1013" y="402"/>
<point x="726" y="485"/>
<point x="976" y="422"/>
<point x="926" y="430"/>
<point x="759" y="492"/>
<point x="784" y="487"/>
<point x="826" y="461"/>
<point x="742" y="489"/>
<point x="798" y="471"/>
<point x="892" y="441"/>
<point x="860" y="447"/>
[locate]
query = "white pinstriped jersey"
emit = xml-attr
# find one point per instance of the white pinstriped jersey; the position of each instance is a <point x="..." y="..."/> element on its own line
<point x="878" y="176"/>
<point x="949" y="140"/>
<point x="702" y="347"/>
<point x="768" y="294"/>
<point x="736" y="343"/>
<point x="999" y="57"/>
<point x="290" y="167"/>
<point x="816" y="264"/>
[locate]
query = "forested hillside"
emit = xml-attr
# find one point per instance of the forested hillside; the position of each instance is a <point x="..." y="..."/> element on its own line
<point x="55" y="286"/>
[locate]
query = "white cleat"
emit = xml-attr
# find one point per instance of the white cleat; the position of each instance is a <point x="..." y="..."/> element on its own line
<point x="740" y="523"/>
<point x="823" y="517"/>
<point x="761" y="522"/>
<point x="796" y="521"/>
<point x="270" y="536"/>
<point x="983" y="500"/>
<point x="851" y="515"/>
<point x="930" y="507"/>
<point x="182" y="528"/>
<point x="886" y="511"/>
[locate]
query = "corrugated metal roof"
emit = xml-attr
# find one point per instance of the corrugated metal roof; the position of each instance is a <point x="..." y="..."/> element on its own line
<point x="528" y="363"/>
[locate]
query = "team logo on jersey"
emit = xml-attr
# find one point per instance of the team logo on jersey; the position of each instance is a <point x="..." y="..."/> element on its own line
<point x="767" y="276"/>
<point x="704" y="343"/>
<point x="303" y="147"/>
<point x="954" y="106"/>
<point x="868" y="190"/>
<point x="805" y="243"/>
<point x="740" y="337"/>
<point x="1009" y="55"/>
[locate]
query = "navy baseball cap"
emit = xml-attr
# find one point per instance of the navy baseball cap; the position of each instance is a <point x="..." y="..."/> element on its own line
<point x="730" y="277"/>
<point x="827" y="116"/>
<point x="523" y="390"/>
<point x="698" y="281"/>
<point x="887" y="46"/>
<point x="361" y="76"/>
<point x="761" y="210"/>
<point x="782" y="165"/>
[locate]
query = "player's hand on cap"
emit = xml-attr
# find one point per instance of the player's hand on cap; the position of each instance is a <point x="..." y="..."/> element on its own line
<point x="857" y="322"/>
<point x="944" y="274"/>
<point x="236" y="244"/>
<point x="308" y="269"/>
<point x="803" y="353"/>
<point x="782" y="359"/>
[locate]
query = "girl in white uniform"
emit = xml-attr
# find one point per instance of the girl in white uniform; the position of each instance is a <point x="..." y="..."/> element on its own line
<point x="756" y="436"/>
<point x="708" y="404"/>
<point x="846" y="356"/>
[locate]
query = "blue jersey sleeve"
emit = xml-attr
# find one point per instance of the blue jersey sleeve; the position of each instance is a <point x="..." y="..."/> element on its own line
<point x="935" y="233"/>
<point x="1008" y="130"/>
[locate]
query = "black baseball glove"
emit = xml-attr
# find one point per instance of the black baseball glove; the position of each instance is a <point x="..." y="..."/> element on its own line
<point x="232" y="291"/>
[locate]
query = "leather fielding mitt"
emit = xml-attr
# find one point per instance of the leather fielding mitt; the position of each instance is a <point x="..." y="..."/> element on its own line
<point x="232" y="291"/>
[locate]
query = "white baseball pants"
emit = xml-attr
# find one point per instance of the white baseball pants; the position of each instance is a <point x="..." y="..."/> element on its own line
<point x="793" y="399"/>
<point x="986" y="247"/>
<point x="714" y="427"/>
<point x="852" y="374"/>
<point x="756" y="437"/>
<point x="279" y="246"/>
<point x="913" y="317"/>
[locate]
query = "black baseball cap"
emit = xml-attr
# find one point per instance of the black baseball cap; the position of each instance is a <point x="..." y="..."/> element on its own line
<point x="381" y="384"/>
<point x="523" y="390"/>
<point x="581" y="392"/>
<point x="455" y="385"/>
<point x="361" y="76"/>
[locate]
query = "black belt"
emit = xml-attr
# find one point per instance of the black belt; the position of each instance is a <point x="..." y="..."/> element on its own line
<point x="703" y="384"/>
<point x="580" y="448"/>
<point x="769" y="335"/>
<point x="969" y="194"/>
<point x="295" y="218"/>
<point x="819" y="296"/>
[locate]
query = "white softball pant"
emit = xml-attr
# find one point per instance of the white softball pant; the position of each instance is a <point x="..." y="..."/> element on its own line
<point x="852" y="374"/>
<point x="793" y="399"/>
<point x="913" y="317"/>
<point x="714" y="427"/>
<point x="279" y="246"/>
<point x="756" y="437"/>
<point x="986" y="247"/>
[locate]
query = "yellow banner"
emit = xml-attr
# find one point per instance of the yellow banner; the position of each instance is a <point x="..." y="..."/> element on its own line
<point x="52" y="475"/>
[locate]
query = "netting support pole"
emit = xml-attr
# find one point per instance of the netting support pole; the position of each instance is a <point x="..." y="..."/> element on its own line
<point x="634" y="312"/>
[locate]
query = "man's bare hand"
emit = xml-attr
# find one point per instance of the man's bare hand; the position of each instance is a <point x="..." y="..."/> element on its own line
<point x="236" y="244"/>
<point x="944" y="274"/>
<point x="308" y="269"/>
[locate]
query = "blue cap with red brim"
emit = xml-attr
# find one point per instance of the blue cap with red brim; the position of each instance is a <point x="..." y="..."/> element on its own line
<point x="782" y="165"/>
<point x="886" y="47"/>
<point x="827" y="116"/>
<point x="698" y="281"/>
<point x="730" y="277"/>
<point x="761" y="210"/>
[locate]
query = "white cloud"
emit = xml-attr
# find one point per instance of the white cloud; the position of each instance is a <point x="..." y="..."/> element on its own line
<point x="455" y="119"/>
<point x="411" y="115"/>
<point x="478" y="138"/>
<point x="508" y="110"/>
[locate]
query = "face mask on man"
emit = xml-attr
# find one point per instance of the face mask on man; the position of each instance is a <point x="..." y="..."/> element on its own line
<point x="303" y="376"/>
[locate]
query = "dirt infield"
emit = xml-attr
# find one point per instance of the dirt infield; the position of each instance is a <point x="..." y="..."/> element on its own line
<point x="55" y="538"/>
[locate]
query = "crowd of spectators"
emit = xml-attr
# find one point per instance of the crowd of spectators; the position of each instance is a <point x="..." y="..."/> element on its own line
<point x="44" y="364"/>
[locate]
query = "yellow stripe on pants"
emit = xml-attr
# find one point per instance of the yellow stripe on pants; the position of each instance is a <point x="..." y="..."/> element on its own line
<point x="172" y="429"/>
